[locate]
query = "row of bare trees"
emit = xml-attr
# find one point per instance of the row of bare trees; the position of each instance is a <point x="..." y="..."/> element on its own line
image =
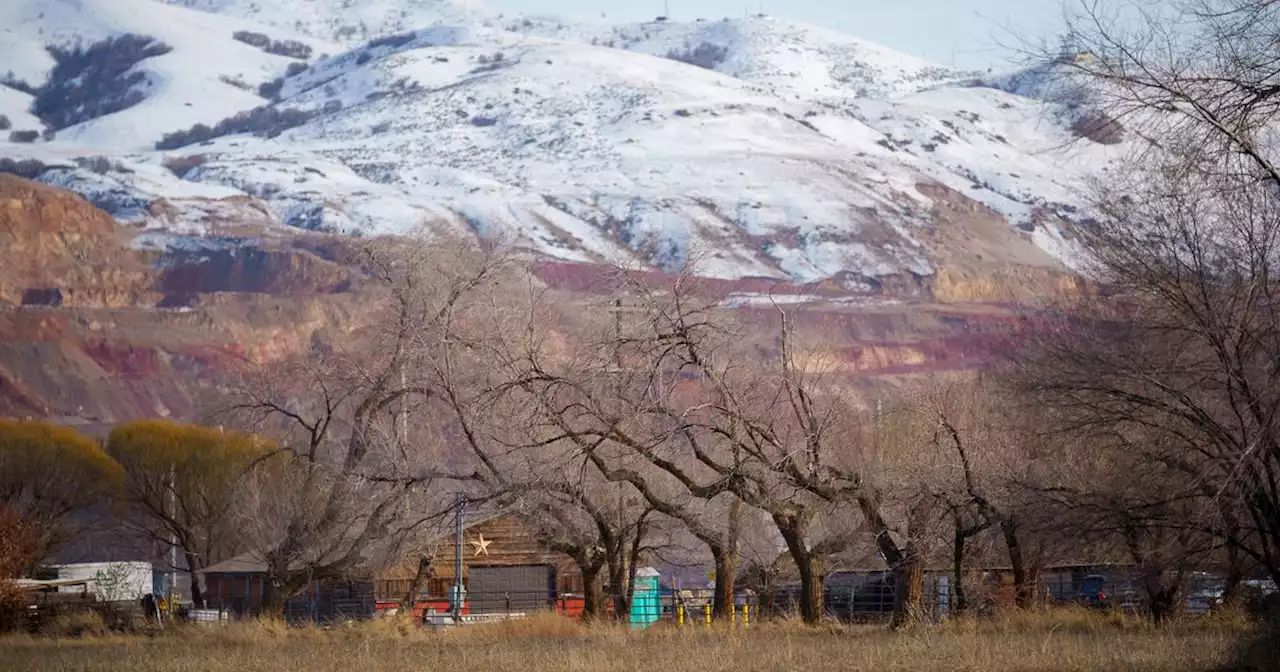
<point x="1167" y="380"/>
<point x="656" y="422"/>
<point x="1137" y="424"/>
<point x="648" y="418"/>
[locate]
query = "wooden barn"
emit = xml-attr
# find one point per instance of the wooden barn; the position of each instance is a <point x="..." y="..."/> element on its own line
<point x="506" y="568"/>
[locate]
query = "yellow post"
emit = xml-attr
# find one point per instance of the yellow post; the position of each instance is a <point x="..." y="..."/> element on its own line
<point x="733" y="615"/>
<point x="679" y="614"/>
<point x="746" y="615"/>
<point x="706" y="610"/>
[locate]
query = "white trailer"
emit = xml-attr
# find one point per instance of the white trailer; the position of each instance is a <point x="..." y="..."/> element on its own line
<point x="109" y="581"/>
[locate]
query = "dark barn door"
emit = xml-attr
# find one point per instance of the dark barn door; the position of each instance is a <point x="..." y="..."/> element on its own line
<point x="520" y="588"/>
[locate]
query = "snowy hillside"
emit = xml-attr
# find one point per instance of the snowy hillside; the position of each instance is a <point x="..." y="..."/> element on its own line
<point x="349" y="22"/>
<point x="773" y="148"/>
<point x="206" y="74"/>
<point x="638" y="148"/>
<point x="791" y="58"/>
<point x="15" y="106"/>
<point x="794" y="60"/>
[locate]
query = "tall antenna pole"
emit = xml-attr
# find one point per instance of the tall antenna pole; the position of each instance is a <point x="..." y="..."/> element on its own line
<point x="617" y="333"/>
<point x="617" y="365"/>
<point x="457" y="559"/>
<point x="404" y="415"/>
<point x="173" y="541"/>
<point x="666" y="8"/>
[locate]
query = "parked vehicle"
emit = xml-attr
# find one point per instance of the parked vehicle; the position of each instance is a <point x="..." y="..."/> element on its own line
<point x="1099" y="592"/>
<point x="1092" y="592"/>
<point x="1204" y="593"/>
<point x="1202" y="600"/>
<point x="1264" y="587"/>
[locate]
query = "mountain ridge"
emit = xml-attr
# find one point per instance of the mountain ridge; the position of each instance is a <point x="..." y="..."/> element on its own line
<point x="798" y="154"/>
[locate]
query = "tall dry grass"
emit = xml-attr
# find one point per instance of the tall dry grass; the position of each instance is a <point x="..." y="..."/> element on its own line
<point x="1057" y="641"/>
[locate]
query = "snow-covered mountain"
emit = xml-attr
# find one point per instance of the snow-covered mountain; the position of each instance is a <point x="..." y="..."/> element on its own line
<point x="775" y="149"/>
<point x="795" y="61"/>
<point x="350" y="22"/>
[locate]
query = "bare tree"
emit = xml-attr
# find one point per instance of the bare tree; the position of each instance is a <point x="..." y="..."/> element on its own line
<point x="978" y="443"/>
<point x="713" y="413"/>
<point x="180" y="483"/>
<point x="354" y="483"/>
<point x="497" y="408"/>
<point x="605" y="400"/>
<point x="1184" y="352"/>
<point x="1178" y="358"/>
<point x="1192" y="76"/>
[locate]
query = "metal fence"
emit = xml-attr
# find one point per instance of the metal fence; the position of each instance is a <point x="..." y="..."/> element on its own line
<point x="847" y="596"/>
<point x="1122" y="589"/>
<point x="688" y="607"/>
<point x="859" y="597"/>
<point x="870" y="596"/>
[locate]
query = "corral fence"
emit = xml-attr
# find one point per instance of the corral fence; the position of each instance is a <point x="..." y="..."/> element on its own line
<point x="850" y="596"/>
<point x="870" y="596"/>
<point x="686" y="607"/>
<point x="118" y="616"/>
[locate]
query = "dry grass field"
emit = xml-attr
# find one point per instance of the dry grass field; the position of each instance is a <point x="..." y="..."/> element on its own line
<point x="1062" y="641"/>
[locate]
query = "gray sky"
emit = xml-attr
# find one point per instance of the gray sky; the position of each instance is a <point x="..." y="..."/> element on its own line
<point x="933" y="29"/>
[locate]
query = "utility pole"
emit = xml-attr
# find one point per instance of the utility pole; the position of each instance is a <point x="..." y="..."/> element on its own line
<point x="617" y="333"/>
<point x="457" y="559"/>
<point x="404" y="415"/>
<point x="173" y="540"/>
<point x="875" y="433"/>
<point x="619" y="486"/>
<point x="617" y="365"/>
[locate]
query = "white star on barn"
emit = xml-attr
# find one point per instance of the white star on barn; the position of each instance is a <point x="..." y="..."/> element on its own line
<point x="481" y="544"/>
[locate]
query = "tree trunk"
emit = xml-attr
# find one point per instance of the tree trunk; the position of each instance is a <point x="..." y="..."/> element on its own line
<point x="1163" y="603"/>
<point x="726" y="564"/>
<point x="633" y="564"/>
<point x="278" y="587"/>
<point x="768" y="592"/>
<point x="1024" y="588"/>
<point x="1163" y="590"/>
<point x="906" y="563"/>
<point x="959" y="600"/>
<point x="630" y="588"/>
<point x="419" y="577"/>
<point x="811" y="595"/>
<point x="592" y="592"/>
<point x="273" y="598"/>
<point x="618" y="587"/>
<point x="809" y="567"/>
<point x="1231" y="592"/>
<point x="197" y="593"/>
<point x="908" y="585"/>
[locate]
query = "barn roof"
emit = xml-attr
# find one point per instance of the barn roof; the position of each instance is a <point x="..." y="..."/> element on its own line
<point x="245" y="563"/>
<point x="255" y="562"/>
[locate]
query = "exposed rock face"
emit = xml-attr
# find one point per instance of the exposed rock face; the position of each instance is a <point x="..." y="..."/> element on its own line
<point x="101" y="366"/>
<point x="93" y="331"/>
<point x="60" y="250"/>
<point x="980" y="258"/>
<point x="287" y="272"/>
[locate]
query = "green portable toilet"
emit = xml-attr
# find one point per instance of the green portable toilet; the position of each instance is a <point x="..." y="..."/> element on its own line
<point x="646" y="605"/>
